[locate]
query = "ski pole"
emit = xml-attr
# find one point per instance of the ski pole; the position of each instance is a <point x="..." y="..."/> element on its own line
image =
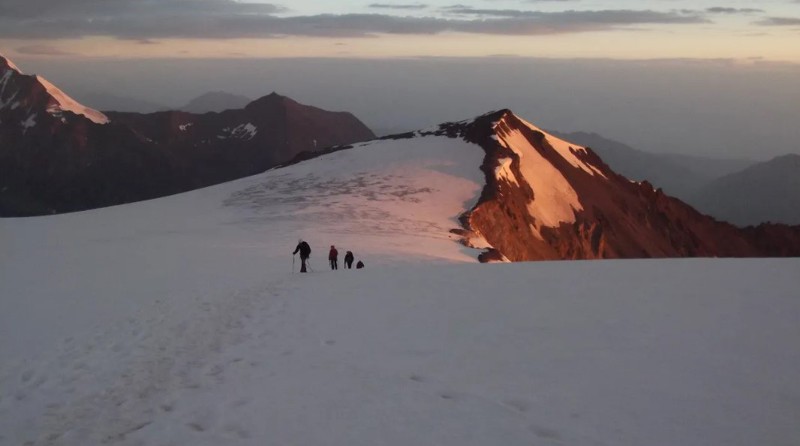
<point x="292" y="263"/>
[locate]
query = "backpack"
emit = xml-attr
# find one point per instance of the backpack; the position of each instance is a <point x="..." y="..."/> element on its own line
<point x="359" y="265"/>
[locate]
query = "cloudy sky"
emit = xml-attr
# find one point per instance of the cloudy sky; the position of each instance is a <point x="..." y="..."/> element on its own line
<point x="633" y="29"/>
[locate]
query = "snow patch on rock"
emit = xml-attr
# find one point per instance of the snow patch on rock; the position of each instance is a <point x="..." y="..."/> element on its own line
<point x="244" y="131"/>
<point x="28" y="123"/>
<point x="6" y="102"/>
<point x="503" y="171"/>
<point x="565" y="149"/>
<point x="555" y="200"/>
<point x="3" y="84"/>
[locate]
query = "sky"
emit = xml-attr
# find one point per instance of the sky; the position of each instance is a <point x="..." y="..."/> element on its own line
<point x="641" y="29"/>
<point x="697" y="77"/>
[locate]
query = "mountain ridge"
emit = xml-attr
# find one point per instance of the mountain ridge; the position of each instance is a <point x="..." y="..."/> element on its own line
<point x="215" y="101"/>
<point x="57" y="155"/>
<point x="679" y="175"/>
<point x="768" y="191"/>
<point x="547" y="199"/>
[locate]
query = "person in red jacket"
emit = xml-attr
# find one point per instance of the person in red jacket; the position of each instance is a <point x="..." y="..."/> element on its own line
<point x="333" y="256"/>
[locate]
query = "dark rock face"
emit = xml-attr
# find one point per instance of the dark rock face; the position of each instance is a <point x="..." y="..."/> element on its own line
<point x="54" y="160"/>
<point x="619" y="219"/>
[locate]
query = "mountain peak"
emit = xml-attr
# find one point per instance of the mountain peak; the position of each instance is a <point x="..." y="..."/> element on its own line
<point x="7" y="64"/>
<point x="271" y="100"/>
<point x="62" y="102"/>
<point x="35" y="94"/>
<point x="274" y="97"/>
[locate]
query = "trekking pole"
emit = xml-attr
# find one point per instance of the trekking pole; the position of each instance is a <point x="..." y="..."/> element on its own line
<point x="308" y="264"/>
<point x="292" y="263"/>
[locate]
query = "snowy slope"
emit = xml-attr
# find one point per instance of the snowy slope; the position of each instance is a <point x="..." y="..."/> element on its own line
<point x="179" y="321"/>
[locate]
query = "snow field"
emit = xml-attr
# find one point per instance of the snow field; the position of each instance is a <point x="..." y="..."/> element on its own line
<point x="179" y="321"/>
<point x="565" y="352"/>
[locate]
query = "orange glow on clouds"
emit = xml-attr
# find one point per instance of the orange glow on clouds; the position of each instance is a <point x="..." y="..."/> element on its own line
<point x="656" y="43"/>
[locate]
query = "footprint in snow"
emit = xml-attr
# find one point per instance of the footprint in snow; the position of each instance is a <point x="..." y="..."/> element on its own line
<point x="416" y="378"/>
<point x="518" y="404"/>
<point x="237" y="431"/>
<point x="26" y="376"/>
<point x="545" y="433"/>
<point x="197" y="427"/>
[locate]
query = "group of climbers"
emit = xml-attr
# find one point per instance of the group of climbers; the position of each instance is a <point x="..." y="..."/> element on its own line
<point x="333" y="257"/>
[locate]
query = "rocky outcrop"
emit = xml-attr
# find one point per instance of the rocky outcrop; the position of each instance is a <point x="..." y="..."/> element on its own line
<point x="59" y="156"/>
<point x="615" y="217"/>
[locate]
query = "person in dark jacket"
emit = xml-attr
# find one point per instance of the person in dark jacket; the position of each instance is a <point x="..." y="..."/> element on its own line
<point x="348" y="260"/>
<point x="305" y="252"/>
<point x="359" y="265"/>
<point x="333" y="257"/>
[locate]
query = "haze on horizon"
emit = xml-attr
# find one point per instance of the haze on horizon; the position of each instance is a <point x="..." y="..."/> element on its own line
<point x="700" y="77"/>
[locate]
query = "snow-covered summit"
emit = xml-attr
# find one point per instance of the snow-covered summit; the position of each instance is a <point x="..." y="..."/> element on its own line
<point x="567" y="150"/>
<point x="36" y="94"/>
<point x="63" y="102"/>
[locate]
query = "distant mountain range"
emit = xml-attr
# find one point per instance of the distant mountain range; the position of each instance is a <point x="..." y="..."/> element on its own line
<point x="57" y="155"/>
<point x="678" y="175"/>
<point x="743" y="192"/>
<point x="107" y="101"/>
<point x="215" y="101"/>
<point x="768" y="191"/>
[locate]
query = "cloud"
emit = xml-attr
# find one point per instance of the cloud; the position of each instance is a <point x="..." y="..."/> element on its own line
<point x="144" y="20"/>
<point x="724" y="10"/>
<point x="779" y="21"/>
<point x="393" y="6"/>
<point x="43" y="50"/>
<point x="92" y="9"/>
<point x="602" y="17"/>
